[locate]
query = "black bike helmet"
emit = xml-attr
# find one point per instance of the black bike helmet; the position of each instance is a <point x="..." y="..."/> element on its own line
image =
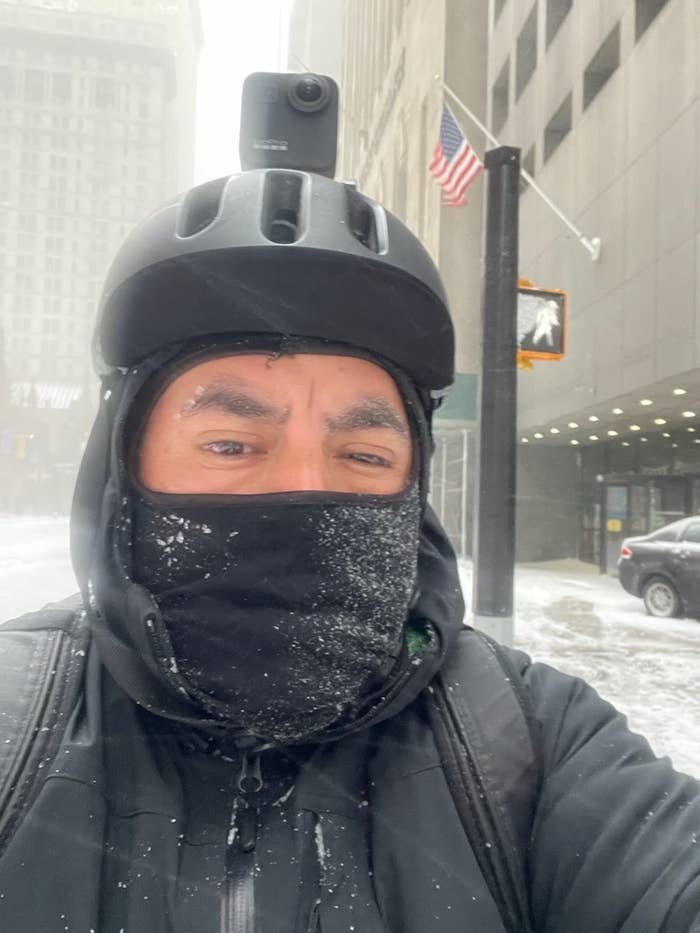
<point x="277" y="252"/>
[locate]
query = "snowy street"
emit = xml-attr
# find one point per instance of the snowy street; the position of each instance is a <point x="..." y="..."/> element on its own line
<point x="567" y="616"/>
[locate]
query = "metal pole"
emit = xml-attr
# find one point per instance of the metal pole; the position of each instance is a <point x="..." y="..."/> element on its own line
<point x="463" y="521"/>
<point x="494" y="551"/>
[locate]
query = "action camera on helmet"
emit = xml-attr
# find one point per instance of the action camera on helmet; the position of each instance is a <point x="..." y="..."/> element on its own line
<point x="289" y="121"/>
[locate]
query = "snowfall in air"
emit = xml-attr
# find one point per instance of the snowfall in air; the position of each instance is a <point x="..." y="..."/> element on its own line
<point x="567" y="616"/>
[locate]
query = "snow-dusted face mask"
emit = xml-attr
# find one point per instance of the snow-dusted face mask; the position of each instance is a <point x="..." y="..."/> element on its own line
<point x="283" y="613"/>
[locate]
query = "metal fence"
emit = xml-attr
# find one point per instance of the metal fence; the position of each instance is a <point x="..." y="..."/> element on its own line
<point x="451" y="485"/>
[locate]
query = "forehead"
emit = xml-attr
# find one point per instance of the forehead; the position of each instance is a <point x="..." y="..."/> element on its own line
<point x="338" y="377"/>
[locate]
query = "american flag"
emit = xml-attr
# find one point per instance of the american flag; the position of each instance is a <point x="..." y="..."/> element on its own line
<point x="455" y="165"/>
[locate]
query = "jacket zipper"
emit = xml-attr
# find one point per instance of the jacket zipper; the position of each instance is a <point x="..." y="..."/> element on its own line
<point x="315" y="918"/>
<point x="238" y="902"/>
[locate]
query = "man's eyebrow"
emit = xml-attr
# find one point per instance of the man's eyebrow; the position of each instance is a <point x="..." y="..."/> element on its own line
<point x="223" y="396"/>
<point x="369" y="413"/>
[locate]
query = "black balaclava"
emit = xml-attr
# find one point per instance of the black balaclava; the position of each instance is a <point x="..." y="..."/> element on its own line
<point x="282" y="614"/>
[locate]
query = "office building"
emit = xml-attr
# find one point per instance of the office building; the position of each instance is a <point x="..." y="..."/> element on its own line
<point x="96" y="127"/>
<point x="97" y="102"/>
<point x="316" y="37"/>
<point x="396" y="57"/>
<point x="602" y="98"/>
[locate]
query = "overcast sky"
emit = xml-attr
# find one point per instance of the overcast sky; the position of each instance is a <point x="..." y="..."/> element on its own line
<point x="240" y="36"/>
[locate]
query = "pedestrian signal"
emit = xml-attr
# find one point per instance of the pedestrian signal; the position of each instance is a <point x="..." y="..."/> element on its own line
<point x="541" y="324"/>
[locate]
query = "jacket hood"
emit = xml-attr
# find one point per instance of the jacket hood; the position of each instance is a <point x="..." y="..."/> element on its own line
<point x="121" y="611"/>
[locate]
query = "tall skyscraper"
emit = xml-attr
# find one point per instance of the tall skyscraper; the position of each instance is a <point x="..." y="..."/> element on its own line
<point x="97" y="101"/>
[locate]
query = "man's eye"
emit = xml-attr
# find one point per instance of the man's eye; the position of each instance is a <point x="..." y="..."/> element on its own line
<point x="370" y="459"/>
<point x="228" y="448"/>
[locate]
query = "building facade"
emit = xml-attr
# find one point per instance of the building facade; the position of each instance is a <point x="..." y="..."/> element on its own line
<point x="396" y="57"/>
<point x="316" y="37"/>
<point x="602" y="98"/>
<point x="96" y="128"/>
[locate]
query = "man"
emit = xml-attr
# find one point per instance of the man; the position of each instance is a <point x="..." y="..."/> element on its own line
<point x="249" y="742"/>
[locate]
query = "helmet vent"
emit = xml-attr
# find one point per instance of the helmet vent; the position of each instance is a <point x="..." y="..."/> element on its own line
<point x="362" y="220"/>
<point x="281" y="220"/>
<point x="200" y="207"/>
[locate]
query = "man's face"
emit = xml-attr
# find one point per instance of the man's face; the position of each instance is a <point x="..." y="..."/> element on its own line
<point x="256" y="423"/>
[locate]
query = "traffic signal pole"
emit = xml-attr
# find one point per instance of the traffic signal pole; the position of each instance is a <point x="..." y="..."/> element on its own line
<point x="494" y="545"/>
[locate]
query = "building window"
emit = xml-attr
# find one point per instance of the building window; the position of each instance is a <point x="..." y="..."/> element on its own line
<point x="34" y="85"/>
<point x="556" y="14"/>
<point x="526" y="53"/>
<point x="528" y="164"/>
<point x="602" y="66"/>
<point x="646" y="12"/>
<point x="61" y="87"/>
<point x="105" y="94"/>
<point x="499" y="98"/>
<point x="422" y="173"/>
<point x="497" y="9"/>
<point x="557" y="128"/>
<point x="7" y="81"/>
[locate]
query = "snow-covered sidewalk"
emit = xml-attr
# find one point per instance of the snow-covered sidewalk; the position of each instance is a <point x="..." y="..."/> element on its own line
<point x="569" y="616"/>
<point x="566" y="615"/>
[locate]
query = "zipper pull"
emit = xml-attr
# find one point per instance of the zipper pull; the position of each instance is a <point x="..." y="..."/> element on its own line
<point x="250" y="779"/>
<point x="250" y="782"/>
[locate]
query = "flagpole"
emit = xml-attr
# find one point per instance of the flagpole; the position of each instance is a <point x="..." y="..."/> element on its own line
<point x="593" y="245"/>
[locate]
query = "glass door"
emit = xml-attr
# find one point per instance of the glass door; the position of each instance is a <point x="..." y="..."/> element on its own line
<point x="616" y="520"/>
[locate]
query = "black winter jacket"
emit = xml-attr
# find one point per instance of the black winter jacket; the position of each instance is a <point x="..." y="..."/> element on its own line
<point x="141" y="826"/>
<point x="144" y="825"/>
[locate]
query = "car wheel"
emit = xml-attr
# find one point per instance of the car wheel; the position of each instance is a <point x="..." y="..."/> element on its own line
<point x="661" y="599"/>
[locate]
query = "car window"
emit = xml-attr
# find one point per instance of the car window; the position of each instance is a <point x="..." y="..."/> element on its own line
<point x="668" y="533"/>
<point x="692" y="532"/>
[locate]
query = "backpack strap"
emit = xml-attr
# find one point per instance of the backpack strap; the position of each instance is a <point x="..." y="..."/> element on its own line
<point x="486" y="738"/>
<point x="42" y="657"/>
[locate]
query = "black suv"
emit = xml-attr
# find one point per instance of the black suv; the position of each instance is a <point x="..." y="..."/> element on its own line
<point x="664" y="569"/>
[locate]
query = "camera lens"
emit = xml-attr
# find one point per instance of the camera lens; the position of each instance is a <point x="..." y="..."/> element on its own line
<point x="309" y="93"/>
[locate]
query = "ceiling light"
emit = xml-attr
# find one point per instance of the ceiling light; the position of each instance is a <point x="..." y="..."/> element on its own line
<point x="659" y="421"/>
<point x="612" y="433"/>
<point x="573" y="424"/>
<point x="593" y="418"/>
<point x="680" y="391"/>
<point x="674" y="445"/>
<point x="635" y="427"/>
<point x="665" y="434"/>
<point x="643" y="440"/>
<point x="690" y="430"/>
<point x="689" y="414"/>
<point x="554" y="431"/>
<point x="593" y="437"/>
<point x="539" y="436"/>
<point x="524" y="440"/>
<point x="574" y="442"/>
<point x="617" y="411"/>
<point x="697" y="440"/>
<point x="645" y="401"/>
<point x="625" y="443"/>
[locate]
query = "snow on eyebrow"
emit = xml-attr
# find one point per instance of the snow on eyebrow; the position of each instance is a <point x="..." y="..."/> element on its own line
<point x="369" y="413"/>
<point x="223" y="396"/>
